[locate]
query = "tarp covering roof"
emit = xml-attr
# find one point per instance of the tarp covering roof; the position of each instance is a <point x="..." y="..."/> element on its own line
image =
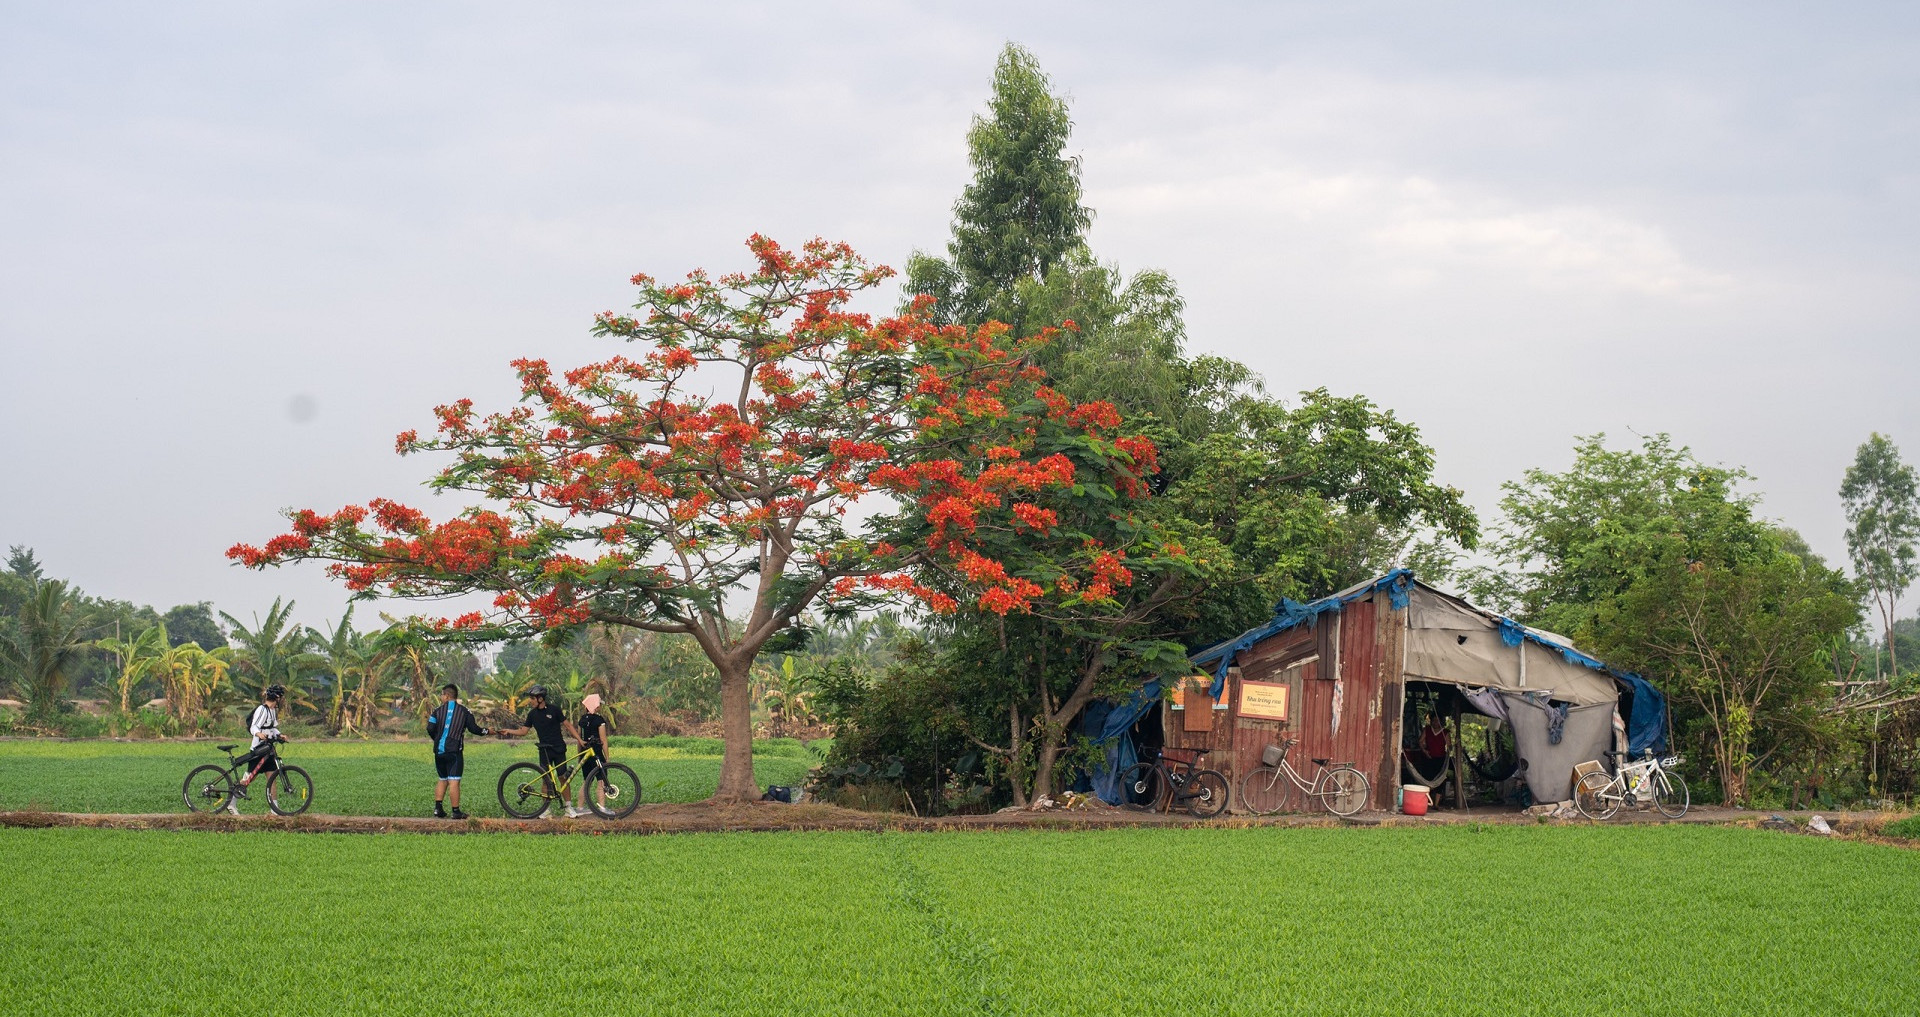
<point x="1450" y="640"/>
<point x="1290" y="613"/>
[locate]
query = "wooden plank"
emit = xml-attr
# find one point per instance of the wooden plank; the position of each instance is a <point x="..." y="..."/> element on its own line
<point x="1389" y="668"/>
<point x="1459" y="761"/>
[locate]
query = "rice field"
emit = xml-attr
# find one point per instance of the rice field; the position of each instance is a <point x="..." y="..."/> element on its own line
<point x="1435" y="921"/>
<point x="350" y="777"/>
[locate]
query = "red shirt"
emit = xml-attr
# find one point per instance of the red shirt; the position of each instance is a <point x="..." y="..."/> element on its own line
<point x="1434" y="743"/>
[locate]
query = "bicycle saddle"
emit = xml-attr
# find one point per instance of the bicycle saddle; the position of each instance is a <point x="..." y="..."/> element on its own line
<point x="226" y="748"/>
<point x="1322" y="762"/>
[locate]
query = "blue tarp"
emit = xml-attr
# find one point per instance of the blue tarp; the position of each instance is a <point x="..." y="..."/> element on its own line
<point x="1115" y="726"/>
<point x="1647" y="727"/>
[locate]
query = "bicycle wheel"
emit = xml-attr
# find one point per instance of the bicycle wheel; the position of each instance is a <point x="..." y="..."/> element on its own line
<point x="1205" y="795"/>
<point x="524" y="793"/>
<point x="1594" y="796"/>
<point x="289" y="791"/>
<point x="1266" y="791"/>
<point x="1670" y="794"/>
<point x="1142" y="787"/>
<point x="207" y="788"/>
<point x="1343" y="790"/>
<point x="619" y="786"/>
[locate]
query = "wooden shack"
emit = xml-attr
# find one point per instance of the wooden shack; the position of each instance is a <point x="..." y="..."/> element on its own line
<point x="1335" y="673"/>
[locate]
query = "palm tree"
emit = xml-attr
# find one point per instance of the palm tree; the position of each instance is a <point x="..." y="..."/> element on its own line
<point x="272" y="652"/>
<point x="46" y="649"/>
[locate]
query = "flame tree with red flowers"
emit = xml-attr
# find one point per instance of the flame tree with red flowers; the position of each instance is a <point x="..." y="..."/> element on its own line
<point x="1046" y="523"/>
<point x="704" y="485"/>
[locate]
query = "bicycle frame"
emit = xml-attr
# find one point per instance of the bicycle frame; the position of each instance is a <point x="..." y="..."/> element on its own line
<point x="236" y="773"/>
<point x="1177" y="779"/>
<point x="1307" y="787"/>
<point x="562" y="786"/>
<point x="1634" y="780"/>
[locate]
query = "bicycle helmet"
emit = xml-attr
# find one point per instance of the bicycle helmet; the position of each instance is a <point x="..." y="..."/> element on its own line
<point x="537" y="690"/>
<point x="276" y="692"/>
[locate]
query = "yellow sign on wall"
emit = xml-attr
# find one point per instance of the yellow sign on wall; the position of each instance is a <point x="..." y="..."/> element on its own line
<point x="1263" y="701"/>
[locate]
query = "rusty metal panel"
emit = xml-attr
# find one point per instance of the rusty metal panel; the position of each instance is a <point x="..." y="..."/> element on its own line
<point x="1364" y="641"/>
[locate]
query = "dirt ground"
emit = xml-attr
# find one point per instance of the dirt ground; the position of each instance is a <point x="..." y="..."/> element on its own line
<point x="770" y="817"/>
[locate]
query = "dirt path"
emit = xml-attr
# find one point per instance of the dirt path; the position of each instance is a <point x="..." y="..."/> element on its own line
<point x="771" y="817"/>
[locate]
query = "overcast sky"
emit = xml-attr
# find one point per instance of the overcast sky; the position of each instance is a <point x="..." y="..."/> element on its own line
<point x="242" y="245"/>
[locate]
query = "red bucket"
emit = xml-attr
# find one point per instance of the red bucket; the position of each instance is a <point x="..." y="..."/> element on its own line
<point x="1413" y="800"/>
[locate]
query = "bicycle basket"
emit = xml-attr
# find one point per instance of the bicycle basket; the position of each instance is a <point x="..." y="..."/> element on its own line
<point x="1272" y="755"/>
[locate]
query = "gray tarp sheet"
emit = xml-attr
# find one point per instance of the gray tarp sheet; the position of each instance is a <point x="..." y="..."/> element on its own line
<point x="1587" y="734"/>
<point x="1449" y="642"/>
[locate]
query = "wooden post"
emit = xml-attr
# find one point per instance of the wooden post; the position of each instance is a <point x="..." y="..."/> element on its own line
<point x="1459" y="760"/>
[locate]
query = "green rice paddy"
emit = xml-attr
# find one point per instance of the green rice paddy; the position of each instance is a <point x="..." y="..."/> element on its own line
<point x="350" y="777"/>
<point x="1435" y="921"/>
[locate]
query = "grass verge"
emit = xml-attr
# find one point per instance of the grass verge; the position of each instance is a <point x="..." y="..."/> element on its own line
<point x="350" y="777"/>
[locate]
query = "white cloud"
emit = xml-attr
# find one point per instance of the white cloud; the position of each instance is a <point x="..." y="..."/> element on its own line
<point x="1416" y="232"/>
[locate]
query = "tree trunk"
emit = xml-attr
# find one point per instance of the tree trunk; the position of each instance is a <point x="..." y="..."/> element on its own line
<point x="1893" y="651"/>
<point x="1045" y="759"/>
<point x="736" y="728"/>
<point x="1016" y="775"/>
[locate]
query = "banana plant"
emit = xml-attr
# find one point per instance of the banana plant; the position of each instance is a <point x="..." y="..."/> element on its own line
<point x="134" y="660"/>
<point x="273" y="651"/>
<point x="191" y="678"/>
<point x="507" y="689"/>
<point x="342" y="654"/>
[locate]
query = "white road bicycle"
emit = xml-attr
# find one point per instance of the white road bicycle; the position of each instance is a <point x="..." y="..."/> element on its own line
<point x="1337" y="787"/>
<point x="1647" y="781"/>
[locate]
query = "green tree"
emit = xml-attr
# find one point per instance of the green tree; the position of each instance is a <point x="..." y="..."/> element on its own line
<point x="1656" y="562"/>
<point x="194" y="623"/>
<point x="1021" y="215"/>
<point x="22" y="563"/>
<point x="1882" y="498"/>
<point x="47" y="648"/>
<point x="1740" y="637"/>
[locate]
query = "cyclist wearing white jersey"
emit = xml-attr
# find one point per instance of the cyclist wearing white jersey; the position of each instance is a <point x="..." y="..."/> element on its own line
<point x="264" y="726"/>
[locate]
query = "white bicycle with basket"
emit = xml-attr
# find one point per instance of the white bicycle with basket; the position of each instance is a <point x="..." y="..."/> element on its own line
<point x="1646" y="781"/>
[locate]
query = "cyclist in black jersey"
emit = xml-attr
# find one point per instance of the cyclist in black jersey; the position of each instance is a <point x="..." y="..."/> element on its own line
<point x="550" y="728"/>
<point x="448" y="727"/>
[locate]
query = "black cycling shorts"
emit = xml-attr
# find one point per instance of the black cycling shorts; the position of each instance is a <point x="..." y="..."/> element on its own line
<point x="592" y="766"/>
<point x="553" y="757"/>
<point x="449" y="764"/>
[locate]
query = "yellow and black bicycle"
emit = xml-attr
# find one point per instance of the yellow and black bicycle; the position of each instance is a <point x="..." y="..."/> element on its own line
<point x="527" y="790"/>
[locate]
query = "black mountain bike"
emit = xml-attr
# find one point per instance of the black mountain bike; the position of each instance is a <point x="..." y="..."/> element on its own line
<point x="210" y="787"/>
<point x="1157" y="786"/>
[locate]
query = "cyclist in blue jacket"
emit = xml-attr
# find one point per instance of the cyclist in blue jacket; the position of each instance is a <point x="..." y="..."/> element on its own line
<point x="448" y="726"/>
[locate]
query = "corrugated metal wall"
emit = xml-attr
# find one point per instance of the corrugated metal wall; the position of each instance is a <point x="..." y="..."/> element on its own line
<point x="1364" y="642"/>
